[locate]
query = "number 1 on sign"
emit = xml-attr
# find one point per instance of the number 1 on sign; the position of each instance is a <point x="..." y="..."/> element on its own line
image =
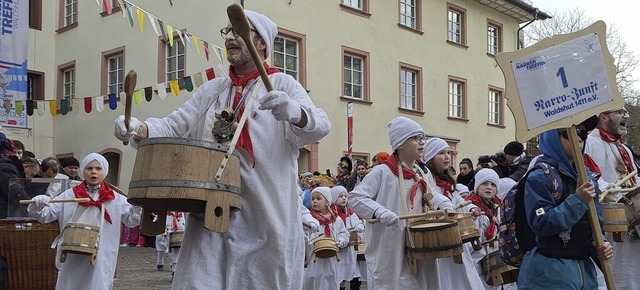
<point x="562" y="76"/>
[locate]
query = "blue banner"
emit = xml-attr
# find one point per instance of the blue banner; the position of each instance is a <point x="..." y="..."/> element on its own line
<point x="14" y="38"/>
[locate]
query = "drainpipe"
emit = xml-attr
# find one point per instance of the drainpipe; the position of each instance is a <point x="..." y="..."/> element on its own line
<point x="535" y="17"/>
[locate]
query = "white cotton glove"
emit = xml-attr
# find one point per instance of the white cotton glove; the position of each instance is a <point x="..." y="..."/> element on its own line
<point x="282" y="106"/>
<point x="342" y="243"/>
<point x="359" y="228"/>
<point x="314" y="227"/>
<point x="125" y="134"/>
<point x="387" y="217"/>
<point x="41" y="201"/>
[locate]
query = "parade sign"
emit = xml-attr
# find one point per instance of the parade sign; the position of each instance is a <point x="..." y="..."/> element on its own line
<point x="14" y="36"/>
<point x="560" y="81"/>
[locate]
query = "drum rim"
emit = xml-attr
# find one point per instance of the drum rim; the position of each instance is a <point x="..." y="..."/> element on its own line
<point x="632" y="193"/>
<point x="448" y="223"/>
<point x="146" y="183"/>
<point x="186" y="142"/>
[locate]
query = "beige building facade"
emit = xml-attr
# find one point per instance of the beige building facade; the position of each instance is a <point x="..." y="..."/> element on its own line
<point x="432" y="61"/>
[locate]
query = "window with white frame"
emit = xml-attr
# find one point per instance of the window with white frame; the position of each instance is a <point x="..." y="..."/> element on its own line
<point x="358" y="4"/>
<point x="495" y="99"/>
<point x="175" y="61"/>
<point x="286" y="56"/>
<point x="493" y="39"/>
<point x="408" y="13"/>
<point x="115" y="73"/>
<point x="456" y="99"/>
<point x="353" y="76"/>
<point x="455" y="27"/>
<point x="408" y="89"/>
<point x="68" y="83"/>
<point x="70" y="12"/>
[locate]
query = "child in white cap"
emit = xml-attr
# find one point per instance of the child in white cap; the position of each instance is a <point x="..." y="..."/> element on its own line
<point x="175" y="224"/>
<point x="391" y="189"/>
<point x="348" y="269"/>
<point x="77" y="272"/>
<point x="322" y="273"/>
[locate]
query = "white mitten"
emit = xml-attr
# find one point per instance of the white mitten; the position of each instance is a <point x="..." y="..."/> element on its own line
<point x="41" y="200"/>
<point x="342" y="243"/>
<point x="359" y="228"/>
<point x="123" y="133"/>
<point x="387" y="217"/>
<point x="314" y="227"/>
<point x="282" y="107"/>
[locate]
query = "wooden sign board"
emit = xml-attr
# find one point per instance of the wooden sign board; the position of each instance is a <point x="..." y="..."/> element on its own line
<point x="560" y="81"/>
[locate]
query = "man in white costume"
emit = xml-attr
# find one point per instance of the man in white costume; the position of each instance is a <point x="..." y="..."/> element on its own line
<point x="263" y="248"/>
<point x="605" y="147"/>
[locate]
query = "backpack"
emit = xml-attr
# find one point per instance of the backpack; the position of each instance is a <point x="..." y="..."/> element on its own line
<point x="515" y="236"/>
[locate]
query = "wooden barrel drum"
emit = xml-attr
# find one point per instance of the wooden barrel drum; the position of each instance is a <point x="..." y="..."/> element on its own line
<point x="325" y="248"/>
<point x="353" y="238"/>
<point x="175" y="239"/>
<point x="178" y="174"/>
<point x="496" y="272"/>
<point x="434" y="239"/>
<point x="468" y="231"/>
<point x="80" y="239"/>
<point x="614" y="219"/>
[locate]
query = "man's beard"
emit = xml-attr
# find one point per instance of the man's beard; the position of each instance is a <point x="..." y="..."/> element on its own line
<point x="239" y="60"/>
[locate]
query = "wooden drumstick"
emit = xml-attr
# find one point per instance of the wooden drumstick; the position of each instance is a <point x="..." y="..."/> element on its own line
<point x="429" y="214"/>
<point x="129" y="86"/>
<point x="29" y="201"/>
<point x="463" y="204"/>
<point x="116" y="189"/>
<point x="629" y="189"/>
<point x="242" y="28"/>
<point x="620" y="182"/>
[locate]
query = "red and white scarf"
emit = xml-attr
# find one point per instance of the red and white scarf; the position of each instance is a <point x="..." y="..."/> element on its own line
<point x="105" y="193"/>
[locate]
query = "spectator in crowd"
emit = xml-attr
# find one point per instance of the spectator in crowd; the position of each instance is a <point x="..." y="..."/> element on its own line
<point x="70" y="166"/>
<point x="466" y="172"/>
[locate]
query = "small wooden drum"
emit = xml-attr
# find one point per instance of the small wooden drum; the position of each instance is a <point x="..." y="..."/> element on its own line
<point x="468" y="231"/>
<point x="353" y="238"/>
<point x="175" y="239"/>
<point x="434" y="239"/>
<point x="325" y="248"/>
<point x="168" y="175"/>
<point x="360" y="252"/>
<point x="631" y="203"/>
<point x="80" y="239"/>
<point x="496" y="272"/>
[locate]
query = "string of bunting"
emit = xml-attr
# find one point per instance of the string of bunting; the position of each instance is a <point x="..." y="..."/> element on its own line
<point x="164" y="29"/>
<point x="97" y="103"/>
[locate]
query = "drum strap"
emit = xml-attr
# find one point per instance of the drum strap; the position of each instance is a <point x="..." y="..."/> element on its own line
<point x="403" y="197"/>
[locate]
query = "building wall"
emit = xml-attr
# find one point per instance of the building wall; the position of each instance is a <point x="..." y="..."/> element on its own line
<point x="326" y="27"/>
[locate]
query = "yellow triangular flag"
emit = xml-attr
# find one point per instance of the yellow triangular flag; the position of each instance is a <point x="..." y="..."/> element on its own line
<point x="195" y="42"/>
<point x="140" y="19"/>
<point x="175" y="87"/>
<point x="137" y="97"/>
<point x="170" y="34"/>
<point x="53" y="107"/>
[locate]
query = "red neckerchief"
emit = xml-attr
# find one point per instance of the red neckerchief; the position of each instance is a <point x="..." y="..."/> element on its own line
<point x="407" y="173"/>
<point x="325" y="221"/>
<point x="447" y="187"/>
<point x="341" y="212"/>
<point x="592" y="166"/>
<point x="608" y="137"/>
<point x="176" y="215"/>
<point x="490" y="209"/>
<point x="239" y="83"/>
<point x="105" y="193"/>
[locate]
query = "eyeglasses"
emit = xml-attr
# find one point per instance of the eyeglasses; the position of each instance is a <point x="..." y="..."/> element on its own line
<point x="582" y="134"/>
<point x="224" y="31"/>
<point x="621" y="112"/>
<point x="421" y="139"/>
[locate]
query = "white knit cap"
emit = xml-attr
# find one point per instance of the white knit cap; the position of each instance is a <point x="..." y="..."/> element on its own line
<point x="95" y="156"/>
<point x="267" y="29"/>
<point x="432" y="147"/>
<point x="506" y="184"/>
<point x="336" y="191"/>
<point x="461" y="188"/>
<point x="401" y="129"/>
<point x="325" y="191"/>
<point x="484" y="175"/>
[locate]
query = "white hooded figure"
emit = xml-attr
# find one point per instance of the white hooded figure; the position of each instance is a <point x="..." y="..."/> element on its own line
<point x="77" y="272"/>
<point x="348" y="267"/>
<point x="379" y="195"/>
<point x="175" y="224"/>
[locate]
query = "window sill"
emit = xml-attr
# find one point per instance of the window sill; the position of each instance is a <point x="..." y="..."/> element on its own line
<point x="411" y="111"/>
<point x="359" y="101"/>
<point x="501" y="126"/>
<point x="463" y="120"/>
<point x="491" y="55"/>
<point x="67" y="28"/>
<point x="113" y="11"/>
<point x="460" y="45"/>
<point x="355" y="11"/>
<point x="411" y="29"/>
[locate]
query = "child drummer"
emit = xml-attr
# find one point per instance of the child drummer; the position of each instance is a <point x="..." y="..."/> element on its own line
<point x="322" y="274"/>
<point x="77" y="272"/>
<point x="348" y="269"/>
<point x="174" y="224"/>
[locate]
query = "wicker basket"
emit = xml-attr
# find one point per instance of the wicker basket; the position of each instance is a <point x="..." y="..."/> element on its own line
<point x="26" y="244"/>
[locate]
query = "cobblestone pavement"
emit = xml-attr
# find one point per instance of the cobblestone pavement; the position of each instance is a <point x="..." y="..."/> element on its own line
<point x="137" y="270"/>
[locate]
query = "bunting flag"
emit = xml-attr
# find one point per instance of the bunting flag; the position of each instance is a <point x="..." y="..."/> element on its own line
<point x="122" y="97"/>
<point x="188" y="85"/>
<point x="137" y="97"/>
<point x="175" y="87"/>
<point x="30" y="104"/>
<point x="210" y="74"/>
<point x="162" y="91"/>
<point x="113" y="101"/>
<point x="53" y="107"/>
<point x="121" y="4"/>
<point x="161" y="25"/>
<point x="148" y="93"/>
<point x="206" y="50"/>
<point x="170" y="34"/>
<point x="64" y="106"/>
<point x="140" y="19"/>
<point x="41" y="109"/>
<point x="152" y="21"/>
<point x="179" y="33"/>
<point x="100" y="103"/>
<point x="107" y="5"/>
<point x="18" y="107"/>
<point x="198" y="79"/>
<point x="129" y="13"/>
<point x="187" y="37"/>
<point x="87" y="105"/>
<point x="195" y="42"/>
